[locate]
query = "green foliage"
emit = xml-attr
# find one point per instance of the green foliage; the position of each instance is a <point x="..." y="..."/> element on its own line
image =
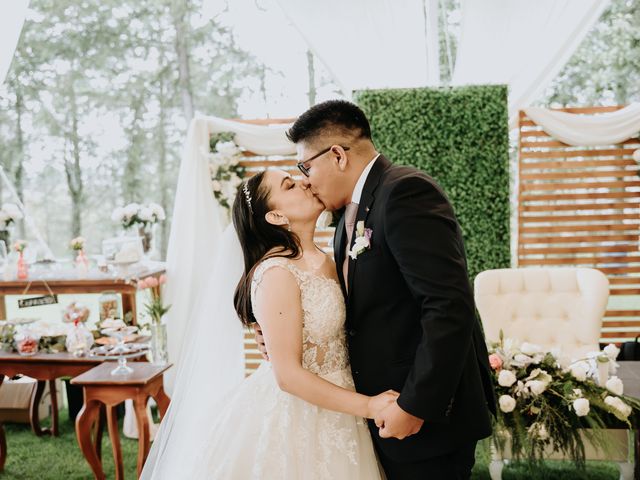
<point x="458" y="136"/>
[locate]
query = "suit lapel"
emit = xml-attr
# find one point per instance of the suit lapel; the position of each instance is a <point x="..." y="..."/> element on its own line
<point x="364" y="208"/>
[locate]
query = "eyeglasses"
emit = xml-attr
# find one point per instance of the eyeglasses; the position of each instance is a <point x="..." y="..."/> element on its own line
<point x="302" y="165"/>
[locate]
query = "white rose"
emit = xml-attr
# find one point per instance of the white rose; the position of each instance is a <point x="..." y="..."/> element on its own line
<point x="536" y="386"/>
<point x="581" y="406"/>
<point x="131" y="209"/>
<point x="615" y="385"/>
<point x="227" y="148"/>
<point x="579" y="371"/>
<point x="145" y="214"/>
<point x="623" y="410"/>
<point x="506" y="378"/>
<point x="530" y="348"/>
<point x="118" y="214"/>
<point x="507" y="403"/>
<point x="157" y="210"/>
<point x="611" y="351"/>
<point x="216" y="185"/>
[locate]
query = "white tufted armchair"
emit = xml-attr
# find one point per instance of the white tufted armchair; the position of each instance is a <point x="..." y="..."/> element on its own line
<point x="551" y="307"/>
<point x="555" y="308"/>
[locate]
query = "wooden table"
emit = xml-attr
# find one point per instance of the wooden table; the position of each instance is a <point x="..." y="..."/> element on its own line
<point x="100" y="387"/>
<point x="44" y="367"/>
<point x="96" y="282"/>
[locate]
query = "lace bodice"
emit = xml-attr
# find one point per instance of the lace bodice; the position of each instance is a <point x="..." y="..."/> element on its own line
<point x="324" y="313"/>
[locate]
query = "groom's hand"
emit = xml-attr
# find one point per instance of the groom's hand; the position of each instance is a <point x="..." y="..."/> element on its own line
<point x="394" y="422"/>
<point x="260" y="341"/>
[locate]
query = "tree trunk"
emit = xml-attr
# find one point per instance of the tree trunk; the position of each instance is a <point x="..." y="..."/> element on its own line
<point x="179" y="12"/>
<point x="312" y="79"/>
<point x="72" y="167"/>
<point x="162" y="166"/>
<point x="131" y="178"/>
<point x="18" y="172"/>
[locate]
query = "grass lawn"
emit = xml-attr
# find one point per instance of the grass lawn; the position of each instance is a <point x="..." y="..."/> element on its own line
<point x="45" y="458"/>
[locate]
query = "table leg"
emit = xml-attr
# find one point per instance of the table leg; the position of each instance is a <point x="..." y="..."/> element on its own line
<point x="140" y="407"/>
<point x="129" y="305"/>
<point x="34" y="414"/>
<point x="3" y="439"/>
<point x="3" y="308"/>
<point x="85" y="419"/>
<point x="54" y="407"/>
<point x="99" y="431"/>
<point x="114" y="435"/>
<point x="162" y="400"/>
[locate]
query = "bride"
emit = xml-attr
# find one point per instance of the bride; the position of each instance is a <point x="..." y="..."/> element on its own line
<point x="298" y="416"/>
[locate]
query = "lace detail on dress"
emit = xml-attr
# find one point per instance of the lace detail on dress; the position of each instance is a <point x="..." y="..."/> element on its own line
<point x="324" y="342"/>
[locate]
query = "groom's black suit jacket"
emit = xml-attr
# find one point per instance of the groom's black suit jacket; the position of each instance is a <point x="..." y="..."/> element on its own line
<point x="411" y="322"/>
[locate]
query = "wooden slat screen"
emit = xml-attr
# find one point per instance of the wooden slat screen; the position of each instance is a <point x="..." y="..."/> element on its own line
<point x="254" y="164"/>
<point x="580" y="206"/>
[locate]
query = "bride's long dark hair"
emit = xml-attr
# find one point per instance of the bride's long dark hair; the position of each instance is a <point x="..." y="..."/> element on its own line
<point x="257" y="238"/>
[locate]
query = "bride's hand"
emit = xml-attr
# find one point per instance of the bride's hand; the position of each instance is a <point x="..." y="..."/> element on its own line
<point x="380" y="402"/>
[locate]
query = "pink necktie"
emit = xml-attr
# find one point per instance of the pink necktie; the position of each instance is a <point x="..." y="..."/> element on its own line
<point x="349" y="221"/>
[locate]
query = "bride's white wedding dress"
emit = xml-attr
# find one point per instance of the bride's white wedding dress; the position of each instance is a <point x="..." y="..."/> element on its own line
<point x="261" y="432"/>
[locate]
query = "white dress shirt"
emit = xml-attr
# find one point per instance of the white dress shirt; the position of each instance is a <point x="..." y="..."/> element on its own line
<point x="357" y="191"/>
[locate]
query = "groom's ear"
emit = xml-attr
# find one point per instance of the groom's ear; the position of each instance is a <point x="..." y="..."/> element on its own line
<point x="340" y="157"/>
<point x="274" y="217"/>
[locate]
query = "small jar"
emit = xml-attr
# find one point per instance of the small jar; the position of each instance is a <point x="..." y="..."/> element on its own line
<point x="79" y="340"/>
<point x="109" y="302"/>
<point x="27" y="343"/>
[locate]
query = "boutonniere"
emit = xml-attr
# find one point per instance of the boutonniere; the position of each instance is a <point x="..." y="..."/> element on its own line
<point x="362" y="241"/>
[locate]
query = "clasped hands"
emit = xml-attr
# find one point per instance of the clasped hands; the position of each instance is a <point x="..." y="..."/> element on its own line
<point x="391" y="420"/>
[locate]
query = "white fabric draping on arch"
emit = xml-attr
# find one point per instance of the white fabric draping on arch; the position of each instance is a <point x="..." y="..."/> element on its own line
<point x="598" y="129"/>
<point x="521" y="43"/>
<point x="365" y="43"/>
<point x="11" y="22"/>
<point x="197" y="225"/>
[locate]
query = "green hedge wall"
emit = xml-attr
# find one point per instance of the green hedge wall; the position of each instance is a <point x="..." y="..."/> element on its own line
<point x="459" y="136"/>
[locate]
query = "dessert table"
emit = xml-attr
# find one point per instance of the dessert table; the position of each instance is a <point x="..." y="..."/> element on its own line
<point x="54" y="280"/>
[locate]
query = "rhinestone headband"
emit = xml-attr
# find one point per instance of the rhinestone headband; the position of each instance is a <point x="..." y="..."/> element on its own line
<point x="247" y="195"/>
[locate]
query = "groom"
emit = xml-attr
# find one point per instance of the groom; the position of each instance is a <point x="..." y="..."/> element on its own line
<point x="411" y="323"/>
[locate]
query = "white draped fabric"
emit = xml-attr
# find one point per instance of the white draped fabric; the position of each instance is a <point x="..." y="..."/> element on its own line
<point x="11" y="22"/>
<point x="521" y="43"/>
<point x="599" y="129"/>
<point x="365" y="43"/>
<point x="197" y="225"/>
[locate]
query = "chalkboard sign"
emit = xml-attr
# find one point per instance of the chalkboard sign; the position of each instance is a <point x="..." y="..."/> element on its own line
<point x="38" y="301"/>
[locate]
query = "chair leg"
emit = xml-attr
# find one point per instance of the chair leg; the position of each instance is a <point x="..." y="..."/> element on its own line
<point x="626" y="470"/>
<point x="496" y="465"/>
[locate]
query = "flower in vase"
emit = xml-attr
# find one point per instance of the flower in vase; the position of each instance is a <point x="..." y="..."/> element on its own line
<point x="19" y="246"/>
<point x="145" y="214"/>
<point x="77" y="243"/>
<point x="155" y="307"/>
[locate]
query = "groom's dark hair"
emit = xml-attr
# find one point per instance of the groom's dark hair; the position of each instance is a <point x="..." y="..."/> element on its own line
<point x="330" y="117"/>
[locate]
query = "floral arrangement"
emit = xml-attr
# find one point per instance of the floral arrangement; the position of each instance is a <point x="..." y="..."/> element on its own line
<point x="77" y="244"/>
<point x="75" y="312"/>
<point x="9" y="213"/>
<point x="155" y="307"/>
<point x="544" y="404"/>
<point x="20" y="245"/>
<point x="135" y="213"/>
<point x="225" y="170"/>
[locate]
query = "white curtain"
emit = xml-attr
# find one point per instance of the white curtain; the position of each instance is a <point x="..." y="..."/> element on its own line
<point x="196" y="229"/>
<point x="521" y="43"/>
<point x="599" y="129"/>
<point x="11" y="21"/>
<point x="365" y="43"/>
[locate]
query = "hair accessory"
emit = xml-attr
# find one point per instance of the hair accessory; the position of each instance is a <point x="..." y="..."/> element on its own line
<point x="247" y="196"/>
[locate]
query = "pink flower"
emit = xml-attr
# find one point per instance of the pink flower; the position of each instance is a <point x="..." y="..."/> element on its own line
<point x="495" y="361"/>
<point x="142" y="284"/>
<point x="163" y="279"/>
<point x="152" y="282"/>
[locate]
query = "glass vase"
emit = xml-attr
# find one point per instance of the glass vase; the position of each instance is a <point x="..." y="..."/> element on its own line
<point x="23" y="269"/>
<point x="82" y="264"/>
<point x="159" y="352"/>
<point x="79" y="340"/>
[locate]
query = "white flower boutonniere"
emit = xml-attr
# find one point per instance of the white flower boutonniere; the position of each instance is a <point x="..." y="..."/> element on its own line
<point x="362" y="241"/>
